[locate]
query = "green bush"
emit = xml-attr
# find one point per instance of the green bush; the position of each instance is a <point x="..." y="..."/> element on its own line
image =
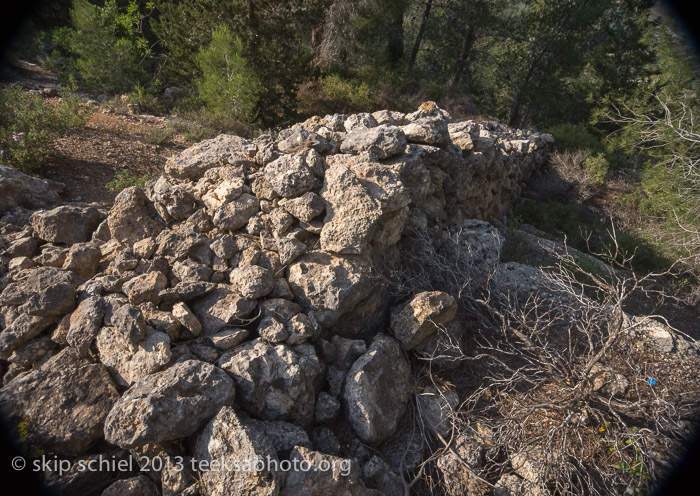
<point x="228" y="86"/>
<point x="571" y="137"/>
<point x="159" y="136"/>
<point x="122" y="180"/>
<point x="597" y="167"/>
<point x="28" y="123"/>
<point x="110" y="50"/>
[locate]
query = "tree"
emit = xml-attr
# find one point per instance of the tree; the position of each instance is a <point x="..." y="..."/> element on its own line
<point x="228" y="85"/>
<point x="111" y="51"/>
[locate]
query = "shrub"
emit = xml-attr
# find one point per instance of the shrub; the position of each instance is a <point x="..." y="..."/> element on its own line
<point x="228" y="86"/>
<point x="122" y="180"/>
<point x="28" y="123"/>
<point x="573" y="137"/>
<point x="159" y="136"/>
<point x="597" y="167"/>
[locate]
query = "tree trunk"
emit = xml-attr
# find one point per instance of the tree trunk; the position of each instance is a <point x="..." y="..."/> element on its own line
<point x="421" y="32"/>
<point x="395" y="38"/>
<point x="462" y="63"/>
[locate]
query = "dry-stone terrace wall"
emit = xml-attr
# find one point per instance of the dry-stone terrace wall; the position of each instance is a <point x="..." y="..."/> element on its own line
<point x="229" y="311"/>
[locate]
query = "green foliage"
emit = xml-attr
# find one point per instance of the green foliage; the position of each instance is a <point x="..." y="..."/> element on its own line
<point x="597" y="167"/>
<point x="122" y="180"/>
<point x="227" y="86"/>
<point x="570" y="137"/>
<point x="111" y="52"/>
<point x="191" y="130"/>
<point x="28" y="123"/>
<point x="159" y="136"/>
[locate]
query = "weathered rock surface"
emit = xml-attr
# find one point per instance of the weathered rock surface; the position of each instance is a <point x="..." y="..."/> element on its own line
<point x="62" y="405"/>
<point x="216" y="152"/>
<point x="237" y="455"/>
<point x="420" y="317"/>
<point x="38" y="301"/>
<point x="379" y="142"/>
<point x="168" y="405"/>
<point x="275" y="382"/>
<point x="67" y="224"/>
<point x="377" y="389"/>
<point x="140" y="485"/>
<point x="329" y="285"/>
<point x="133" y="217"/>
<point x="328" y="475"/>
<point x="20" y="190"/>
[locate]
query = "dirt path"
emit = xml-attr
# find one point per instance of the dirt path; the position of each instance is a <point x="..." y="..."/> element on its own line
<point x="86" y="159"/>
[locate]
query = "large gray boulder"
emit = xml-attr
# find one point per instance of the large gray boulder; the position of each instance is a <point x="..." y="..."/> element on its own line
<point x="275" y="382"/>
<point x="168" y="405"/>
<point x="216" y="152"/>
<point x="329" y="285"/>
<point x="379" y="142"/>
<point x="236" y="458"/>
<point x="38" y="300"/>
<point x="60" y="407"/>
<point x="377" y="389"/>
<point x="352" y="214"/>
<point x="20" y="190"/>
<point x="68" y="224"/>
<point x="133" y="217"/>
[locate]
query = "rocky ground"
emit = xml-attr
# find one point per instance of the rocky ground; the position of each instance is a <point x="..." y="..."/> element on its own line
<point x="272" y="299"/>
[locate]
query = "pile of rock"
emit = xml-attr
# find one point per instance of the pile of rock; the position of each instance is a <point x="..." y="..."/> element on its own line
<point x="230" y="312"/>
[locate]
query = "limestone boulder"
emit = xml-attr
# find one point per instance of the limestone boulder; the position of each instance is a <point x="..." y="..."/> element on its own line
<point x="377" y="389"/>
<point x="168" y="405"/>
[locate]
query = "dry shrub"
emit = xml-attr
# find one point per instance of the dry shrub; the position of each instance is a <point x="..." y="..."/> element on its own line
<point x="557" y="382"/>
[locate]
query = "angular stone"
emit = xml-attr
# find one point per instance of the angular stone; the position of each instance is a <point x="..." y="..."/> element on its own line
<point x="329" y="285"/>
<point x="379" y="142"/>
<point x="419" y="318"/>
<point x="251" y="281"/>
<point x="275" y="382"/>
<point x="40" y="299"/>
<point x="85" y="322"/>
<point x="221" y="308"/>
<point x="133" y="217"/>
<point x="377" y="390"/>
<point x="306" y="207"/>
<point x="19" y="189"/>
<point x="68" y="224"/>
<point x="327" y="475"/>
<point x="145" y="287"/>
<point x="129" y="362"/>
<point x="168" y="405"/>
<point x="83" y="259"/>
<point x="140" y="485"/>
<point x="226" y="442"/>
<point x="62" y="405"/>
<point x="289" y="176"/>
<point x="216" y="152"/>
<point x="236" y="214"/>
<point x="188" y="319"/>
